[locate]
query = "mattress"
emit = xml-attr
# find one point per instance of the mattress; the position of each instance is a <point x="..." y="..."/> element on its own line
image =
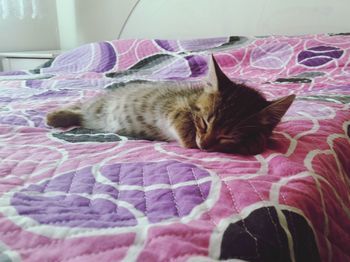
<point x="82" y="195"/>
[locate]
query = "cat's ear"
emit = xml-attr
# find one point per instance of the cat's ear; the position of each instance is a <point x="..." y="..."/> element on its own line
<point x="217" y="80"/>
<point x="271" y="115"/>
<point x="267" y="118"/>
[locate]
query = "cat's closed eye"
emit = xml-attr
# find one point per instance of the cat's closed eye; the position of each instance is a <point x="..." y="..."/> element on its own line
<point x="210" y="118"/>
<point x="226" y="140"/>
<point x="203" y="125"/>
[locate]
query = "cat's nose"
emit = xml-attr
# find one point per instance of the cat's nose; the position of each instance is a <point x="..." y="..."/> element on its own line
<point x="206" y="144"/>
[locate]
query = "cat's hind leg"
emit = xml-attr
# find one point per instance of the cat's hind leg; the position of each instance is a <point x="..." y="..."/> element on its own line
<point x="65" y="117"/>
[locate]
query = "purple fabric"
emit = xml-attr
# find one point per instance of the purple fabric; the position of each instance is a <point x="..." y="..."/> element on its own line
<point x="319" y="55"/>
<point x="157" y="203"/>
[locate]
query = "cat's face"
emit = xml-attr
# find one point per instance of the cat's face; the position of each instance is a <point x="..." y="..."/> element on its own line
<point x="221" y="121"/>
<point x="234" y="118"/>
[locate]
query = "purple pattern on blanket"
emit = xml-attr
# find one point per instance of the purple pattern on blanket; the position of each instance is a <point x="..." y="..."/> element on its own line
<point x="99" y="57"/>
<point x="271" y="55"/>
<point x="319" y="55"/>
<point x="100" y="196"/>
<point x="159" y="190"/>
<point x="191" y="45"/>
<point x="198" y="65"/>
<point x="34" y="83"/>
<point x="12" y="73"/>
<point x="24" y="118"/>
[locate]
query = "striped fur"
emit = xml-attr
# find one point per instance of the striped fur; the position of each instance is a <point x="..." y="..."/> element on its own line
<point x="219" y="115"/>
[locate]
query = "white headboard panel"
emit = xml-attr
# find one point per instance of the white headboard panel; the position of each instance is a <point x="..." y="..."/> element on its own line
<point x="207" y="18"/>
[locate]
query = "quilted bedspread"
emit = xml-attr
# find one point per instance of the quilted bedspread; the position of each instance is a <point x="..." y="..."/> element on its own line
<point x="82" y="195"/>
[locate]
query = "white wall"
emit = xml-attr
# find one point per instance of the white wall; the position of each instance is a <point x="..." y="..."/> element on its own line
<point x="206" y="18"/>
<point x="31" y="34"/>
<point x="84" y="21"/>
<point x="65" y="24"/>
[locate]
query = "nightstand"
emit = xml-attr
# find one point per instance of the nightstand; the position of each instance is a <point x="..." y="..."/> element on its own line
<point x="12" y="61"/>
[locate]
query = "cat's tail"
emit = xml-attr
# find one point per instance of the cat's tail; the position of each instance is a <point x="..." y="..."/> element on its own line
<point x="66" y="117"/>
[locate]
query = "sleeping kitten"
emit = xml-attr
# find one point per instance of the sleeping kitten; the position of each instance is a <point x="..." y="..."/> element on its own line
<point x="218" y="116"/>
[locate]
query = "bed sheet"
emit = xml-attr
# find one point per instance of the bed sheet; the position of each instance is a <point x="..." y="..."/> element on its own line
<point x="82" y="195"/>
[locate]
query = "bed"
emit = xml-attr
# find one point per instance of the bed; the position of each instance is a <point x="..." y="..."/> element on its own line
<point x="81" y="195"/>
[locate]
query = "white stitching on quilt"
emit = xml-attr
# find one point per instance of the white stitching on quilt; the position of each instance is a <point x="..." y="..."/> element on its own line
<point x="269" y="213"/>
<point x="204" y="200"/>
<point x="144" y="191"/>
<point x="243" y="223"/>
<point x="172" y="192"/>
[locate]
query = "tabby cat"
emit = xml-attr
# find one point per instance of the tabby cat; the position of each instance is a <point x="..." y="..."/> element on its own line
<point x="220" y="115"/>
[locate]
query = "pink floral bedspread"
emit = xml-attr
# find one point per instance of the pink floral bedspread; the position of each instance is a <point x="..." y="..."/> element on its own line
<point x="79" y="195"/>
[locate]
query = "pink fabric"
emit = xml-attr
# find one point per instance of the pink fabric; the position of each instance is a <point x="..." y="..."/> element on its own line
<point x="105" y="197"/>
